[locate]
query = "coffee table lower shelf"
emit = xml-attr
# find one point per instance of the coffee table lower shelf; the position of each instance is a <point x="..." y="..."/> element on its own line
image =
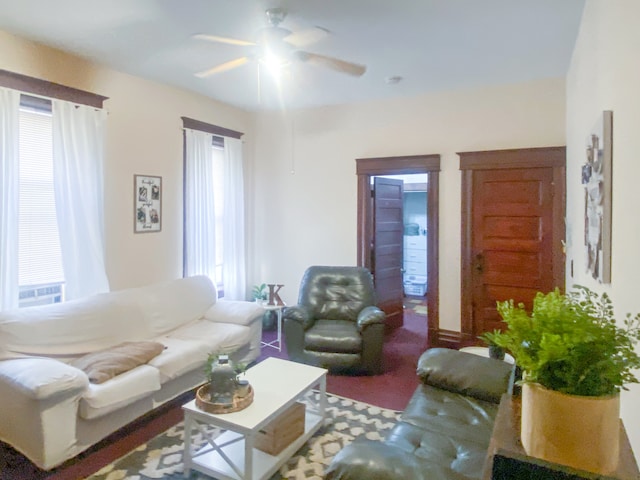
<point x="210" y="459"/>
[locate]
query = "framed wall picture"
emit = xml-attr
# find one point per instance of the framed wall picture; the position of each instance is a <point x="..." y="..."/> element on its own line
<point x="596" y="178"/>
<point x="147" y="204"/>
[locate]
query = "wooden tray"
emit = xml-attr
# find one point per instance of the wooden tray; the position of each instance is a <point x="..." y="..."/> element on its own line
<point x="239" y="403"/>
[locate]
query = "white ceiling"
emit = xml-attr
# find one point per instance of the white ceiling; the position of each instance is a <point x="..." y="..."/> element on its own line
<point x="431" y="44"/>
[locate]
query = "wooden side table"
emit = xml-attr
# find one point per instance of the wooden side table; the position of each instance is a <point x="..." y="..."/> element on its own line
<point x="506" y="458"/>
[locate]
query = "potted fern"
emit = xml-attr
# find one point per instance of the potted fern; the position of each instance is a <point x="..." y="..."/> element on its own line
<point x="260" y="293"/>
<point x="575" y="360"/>
<point x="495" y="350"/>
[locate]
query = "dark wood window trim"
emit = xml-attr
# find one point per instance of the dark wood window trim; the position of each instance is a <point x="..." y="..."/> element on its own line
<point x="403" y="165"/>
<point x="209" y="128"/>
<point x="36" y="86"/>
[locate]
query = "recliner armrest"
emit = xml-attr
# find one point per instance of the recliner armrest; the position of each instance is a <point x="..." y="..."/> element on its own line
<point x="465" y="373"/>
<point x="369" y="316"/>
<point x="298" y="313"/>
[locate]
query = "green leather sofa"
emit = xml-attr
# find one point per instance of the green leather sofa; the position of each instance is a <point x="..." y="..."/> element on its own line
<point x="445" y="430"/>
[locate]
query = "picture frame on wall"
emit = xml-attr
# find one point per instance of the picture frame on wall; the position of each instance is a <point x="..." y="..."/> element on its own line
<point x="147" y="204"/>
<point x="596" y="179"/>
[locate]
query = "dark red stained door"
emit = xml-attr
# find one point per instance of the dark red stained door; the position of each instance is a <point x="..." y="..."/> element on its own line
<point x="512" y="233"/>
<point x="387" y="247"/>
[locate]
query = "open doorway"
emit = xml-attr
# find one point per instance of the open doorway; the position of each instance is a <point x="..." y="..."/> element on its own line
<point x="394" y="299"/>
<point x="415" y="233"/>
<point x="412" y="241"/>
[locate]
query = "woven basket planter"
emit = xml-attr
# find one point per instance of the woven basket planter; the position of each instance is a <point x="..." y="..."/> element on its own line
<point x="580" y="432"/>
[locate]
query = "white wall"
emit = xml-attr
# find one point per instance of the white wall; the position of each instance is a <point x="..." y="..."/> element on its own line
<point x="305" y="205"/>
<point x="144" y="137"/>
<point x="605" y="75"/>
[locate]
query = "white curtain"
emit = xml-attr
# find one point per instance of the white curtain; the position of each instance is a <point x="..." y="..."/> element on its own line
<point x="78" y="177"/>
<point x="233" y="264"/>
<point x="200" y="220"/>
<point x="9" y="193"/>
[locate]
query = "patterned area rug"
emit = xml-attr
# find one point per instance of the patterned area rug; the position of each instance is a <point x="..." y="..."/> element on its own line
<point x="161" y="458"/>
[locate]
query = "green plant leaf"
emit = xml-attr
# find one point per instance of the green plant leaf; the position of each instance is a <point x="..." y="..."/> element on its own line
<point x="571" y="343"/>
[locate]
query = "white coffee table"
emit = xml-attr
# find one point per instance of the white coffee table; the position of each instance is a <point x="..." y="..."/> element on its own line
<point x="277" y="384"/>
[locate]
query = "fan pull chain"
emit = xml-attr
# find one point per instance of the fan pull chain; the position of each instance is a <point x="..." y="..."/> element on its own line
<point x="259" y="84"/>
<point x="293" y="149"/>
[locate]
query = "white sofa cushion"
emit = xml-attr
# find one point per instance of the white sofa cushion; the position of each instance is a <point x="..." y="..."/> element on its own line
<point x="171" y="304"/>
<point x="72" y="328"/>
<point x="179" y="356"/>
<point x="218" y="337"/>
<point x="187" y="347"/>
<point x="237" y="312"/>
<point x="102" y="398"/>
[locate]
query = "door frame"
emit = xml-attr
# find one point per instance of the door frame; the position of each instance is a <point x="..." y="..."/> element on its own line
<point x="543" y="157"/>
<point x="402" y="165"/>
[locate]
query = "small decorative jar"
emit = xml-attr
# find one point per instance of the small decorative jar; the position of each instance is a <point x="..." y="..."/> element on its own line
<point x="222" y="385"/>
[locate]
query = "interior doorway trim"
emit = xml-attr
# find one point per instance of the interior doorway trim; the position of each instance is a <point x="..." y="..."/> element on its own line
<point x="403" y="165"/>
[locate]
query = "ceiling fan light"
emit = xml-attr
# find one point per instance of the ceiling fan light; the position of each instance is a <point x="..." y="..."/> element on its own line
<point x="273" y="62"/>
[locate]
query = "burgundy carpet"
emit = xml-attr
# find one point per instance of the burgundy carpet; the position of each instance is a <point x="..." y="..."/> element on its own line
<point x="390" y="390"/>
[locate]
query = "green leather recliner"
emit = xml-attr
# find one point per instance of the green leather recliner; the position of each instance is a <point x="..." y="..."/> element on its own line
<point x="336" y="323"/>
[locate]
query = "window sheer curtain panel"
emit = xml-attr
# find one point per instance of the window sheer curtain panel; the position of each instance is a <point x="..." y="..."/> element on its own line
<point x="200" y="221"/>
<point x="233" y="264"/>
<point x="9" y="182"/>
<point x="78" y="176"/>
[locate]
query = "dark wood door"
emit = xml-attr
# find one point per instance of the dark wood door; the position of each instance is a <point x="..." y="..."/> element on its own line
<point x="515" y="249"/>
<point x="387" y="247"/>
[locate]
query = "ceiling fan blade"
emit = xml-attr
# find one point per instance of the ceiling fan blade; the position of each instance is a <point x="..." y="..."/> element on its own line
<point x="336" y="64"/>
<point x="227" y="40"/>
<point x="223" y="67"/>
<point x="302" y="38"/>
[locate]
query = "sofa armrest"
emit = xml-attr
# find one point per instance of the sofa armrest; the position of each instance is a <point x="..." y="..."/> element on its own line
<point x="371" y="460"/>
<point x="41" y="378"/>
<point x="370" y="316"/>
<point x="465" y="373"/>
<point x="299" y="314"/>
<point x="237" y="312"/>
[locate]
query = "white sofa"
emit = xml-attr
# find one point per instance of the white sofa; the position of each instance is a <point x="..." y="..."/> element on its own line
<point x="51" y="412"/>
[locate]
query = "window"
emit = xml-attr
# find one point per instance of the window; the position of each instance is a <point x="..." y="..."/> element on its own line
<point x="32" y="258"/>
<point x="40" y="273"/>
<point x="214" y="207"/>
<point x="218" y="199"/>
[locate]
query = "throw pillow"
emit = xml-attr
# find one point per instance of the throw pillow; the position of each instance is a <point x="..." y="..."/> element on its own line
<point x="105" y="364"/>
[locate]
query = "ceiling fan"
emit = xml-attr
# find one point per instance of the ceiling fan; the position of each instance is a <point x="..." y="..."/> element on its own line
<point x="277" y="46"/>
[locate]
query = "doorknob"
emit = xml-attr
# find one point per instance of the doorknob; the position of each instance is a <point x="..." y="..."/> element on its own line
<point x="479" y="263"/>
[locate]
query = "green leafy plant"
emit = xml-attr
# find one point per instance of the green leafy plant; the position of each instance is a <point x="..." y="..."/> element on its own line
<point x="212" y="361"/>
<point x="571" y="342"/>
<point x="259" y="292"/>
<point x="490" y="338"/>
